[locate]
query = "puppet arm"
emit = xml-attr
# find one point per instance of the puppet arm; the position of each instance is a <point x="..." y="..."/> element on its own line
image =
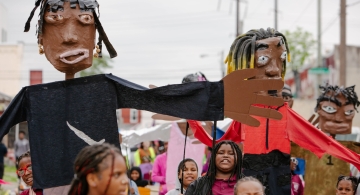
<point x="204" y="101"/>
<point x="233" y="133"/>
<point x="309" y="137"/>
<point x="14" y="114"/>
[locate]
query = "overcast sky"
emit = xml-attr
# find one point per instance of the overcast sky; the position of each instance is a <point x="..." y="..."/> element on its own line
<point x="160" y="41"/>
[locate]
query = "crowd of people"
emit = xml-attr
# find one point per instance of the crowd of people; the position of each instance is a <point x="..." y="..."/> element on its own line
<point x="102" y="169"/>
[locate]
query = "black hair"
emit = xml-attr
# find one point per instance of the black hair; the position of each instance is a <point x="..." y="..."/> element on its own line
<point x="26" y="154"/>
<point x="182" y="164"/>
<point x="137" y="169"/>
<point x="209" y="178"/>
<point x="85" y="5"/>
<point x="88" y="161"/>
<point x="23" y="132"/>
<point x="242" y="50"/>
<point x="199" y="76"/>
<point x="245" y="179"/>
<point x="348" y="92"/>
<point x="354" y="181"/>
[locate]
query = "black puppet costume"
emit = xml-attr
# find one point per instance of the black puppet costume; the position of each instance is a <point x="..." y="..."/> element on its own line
<point x="65" y="116"/>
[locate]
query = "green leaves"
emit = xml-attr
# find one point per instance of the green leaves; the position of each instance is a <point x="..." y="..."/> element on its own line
<point x="301" y="45"/>
<point x="98" y="67"/>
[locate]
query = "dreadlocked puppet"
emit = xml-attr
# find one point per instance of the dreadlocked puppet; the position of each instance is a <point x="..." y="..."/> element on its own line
<point x="65" y="116"/>
<point x="267" y="147"/>
<point x="336" y="108"/>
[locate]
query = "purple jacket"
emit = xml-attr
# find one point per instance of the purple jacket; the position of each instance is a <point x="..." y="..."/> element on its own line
<point x="159" y="172"/>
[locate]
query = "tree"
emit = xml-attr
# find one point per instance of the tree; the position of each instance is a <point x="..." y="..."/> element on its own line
<point x="98" y="66"/>
<point x="300" y="44"/>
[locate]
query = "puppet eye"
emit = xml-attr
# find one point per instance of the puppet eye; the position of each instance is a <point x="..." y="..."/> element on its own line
<point x="262" y="60"/>
<point x="283" y="56"/>
<point x="328" y="109"/>
<point x="54" y="18"/>
<point x="86" y="19"/>
<point x="349" y="112"/>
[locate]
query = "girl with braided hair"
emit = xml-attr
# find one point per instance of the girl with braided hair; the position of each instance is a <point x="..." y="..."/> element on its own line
<point x="224" y="171"/>
<point x="25" y="172"/>
<point x="99" y="169"/>
<point x="347" y="185"/>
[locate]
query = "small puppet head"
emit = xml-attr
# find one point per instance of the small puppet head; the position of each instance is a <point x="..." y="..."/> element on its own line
<point x="199" y="76"/>
<point x="336" y="108"/>
<point x="265" y="50"/>
<point x="67" y="32"/>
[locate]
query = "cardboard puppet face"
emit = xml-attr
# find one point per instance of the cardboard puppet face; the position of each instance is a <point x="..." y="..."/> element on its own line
<point x="68" y="37"/>
<point x="269" y="57"/>
<point x="335" y="113"/>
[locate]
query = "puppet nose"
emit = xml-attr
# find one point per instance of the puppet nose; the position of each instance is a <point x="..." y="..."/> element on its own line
<point x="272" y="70"/>
<point x="70" y="36"/>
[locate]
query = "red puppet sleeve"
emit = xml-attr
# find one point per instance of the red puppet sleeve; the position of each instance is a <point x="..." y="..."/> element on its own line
<point x="309" y="137"/>
<point x="233" y="133"/>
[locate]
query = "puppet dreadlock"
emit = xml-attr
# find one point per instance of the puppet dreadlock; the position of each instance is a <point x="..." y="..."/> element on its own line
<point x="348" y="92"/>
<point x="58" y="5"/>
<point x="354" y="181"/>
<point x="242" y="50"/>
<point x="88" y="161"/>
<point x="209" y="178"/>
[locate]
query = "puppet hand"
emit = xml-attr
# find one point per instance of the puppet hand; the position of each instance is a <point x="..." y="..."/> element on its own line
<point x="239" y="96"/>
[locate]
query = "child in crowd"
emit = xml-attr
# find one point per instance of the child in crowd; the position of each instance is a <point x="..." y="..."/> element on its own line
<point x="249" y="186"/>
<point x="224" y="171"/>
<point x="100" y="169"/>
<point x="136" y="176"/>
<point x="187" y="172"/>
<point x="346" y="185"/>
<point x="25" y="172"/>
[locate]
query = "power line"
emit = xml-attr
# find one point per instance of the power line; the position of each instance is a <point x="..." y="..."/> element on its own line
<point x="302" y="13"/>
<point x="351" y="4"/>
<point x="330" y="24"/>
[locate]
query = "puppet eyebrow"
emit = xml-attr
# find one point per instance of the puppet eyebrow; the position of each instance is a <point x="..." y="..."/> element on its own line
<point x="331" y="99"/>
<point x="261" y="46"/>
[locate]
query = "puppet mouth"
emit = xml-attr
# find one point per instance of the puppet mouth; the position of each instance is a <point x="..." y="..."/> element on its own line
<point x="335" y="128"/>
<point x="74" y="56"/>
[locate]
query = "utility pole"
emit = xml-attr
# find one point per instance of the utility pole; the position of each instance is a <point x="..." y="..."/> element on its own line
<point x="237" y="17"/>
<point x="222" y="67"/>
<point x="319" y="59"/>
<point x="319" y="56"/>
<point x="276" y="15"/>
<point x="342" y="48"/>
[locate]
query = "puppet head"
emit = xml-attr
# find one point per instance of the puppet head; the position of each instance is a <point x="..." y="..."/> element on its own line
<point x="199" y="76"/>
<point x="265" y="50"/>
<point x="336" y="108"/>
<point x="67" y="31"/>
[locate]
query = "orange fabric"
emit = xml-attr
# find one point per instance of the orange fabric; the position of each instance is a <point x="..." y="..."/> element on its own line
<point x="144" y="191"/>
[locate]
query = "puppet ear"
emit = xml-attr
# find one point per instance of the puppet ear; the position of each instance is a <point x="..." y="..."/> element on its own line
<point x="164" y="117"/>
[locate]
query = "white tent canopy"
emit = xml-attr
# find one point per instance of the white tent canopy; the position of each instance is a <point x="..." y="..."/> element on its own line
<point x="131" y="138"/>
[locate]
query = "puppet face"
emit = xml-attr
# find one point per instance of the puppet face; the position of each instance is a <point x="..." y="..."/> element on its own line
<point x="68" y="38"/>
<point x="336" y="118"/>
<point x="269" y="57"/>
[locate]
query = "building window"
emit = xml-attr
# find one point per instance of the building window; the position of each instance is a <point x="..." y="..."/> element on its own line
<point x="35" y="77"/>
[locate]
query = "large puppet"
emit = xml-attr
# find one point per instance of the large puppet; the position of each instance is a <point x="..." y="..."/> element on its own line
<point x="65" y="116"/>
<point x="336" y="108"/>
<point x="267" y="147"/>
